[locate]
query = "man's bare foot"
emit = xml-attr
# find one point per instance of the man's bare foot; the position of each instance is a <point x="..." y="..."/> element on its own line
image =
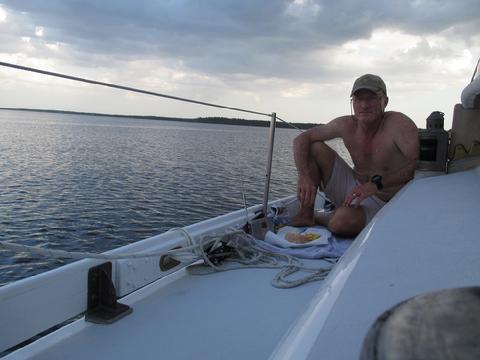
<point x="303" y="218"/>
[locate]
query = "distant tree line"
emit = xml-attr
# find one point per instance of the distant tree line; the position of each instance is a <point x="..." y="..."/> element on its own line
<point x="261" y="123"/>
<point x="207" y="120"/>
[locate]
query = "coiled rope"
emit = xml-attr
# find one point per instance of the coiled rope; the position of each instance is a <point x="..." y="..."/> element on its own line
<point x="248" y="254"/>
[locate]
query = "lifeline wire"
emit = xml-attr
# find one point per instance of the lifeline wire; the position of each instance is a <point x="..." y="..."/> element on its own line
<point x="289" y="124"/>
<point x="128" y="88"/>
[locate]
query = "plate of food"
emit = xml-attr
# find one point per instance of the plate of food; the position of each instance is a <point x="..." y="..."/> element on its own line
<point x="289" y="236"/>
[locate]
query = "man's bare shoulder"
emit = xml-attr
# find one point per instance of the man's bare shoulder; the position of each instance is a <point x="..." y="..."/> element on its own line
<point x="404" y="133"/>
<point x="336" y="121"/>
<point x="341" y="122"/>
<point x="332" y="129"/>
<point x="400" y="124"/>
<point x="396" y="119"/>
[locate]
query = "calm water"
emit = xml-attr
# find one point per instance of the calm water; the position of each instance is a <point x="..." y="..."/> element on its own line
<point x="85" y="183"/>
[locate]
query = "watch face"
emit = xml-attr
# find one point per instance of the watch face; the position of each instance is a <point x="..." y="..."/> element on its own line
<point x="377" y="180"/>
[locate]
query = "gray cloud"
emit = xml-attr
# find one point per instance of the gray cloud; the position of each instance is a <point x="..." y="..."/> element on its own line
<point x="260" y="38"/>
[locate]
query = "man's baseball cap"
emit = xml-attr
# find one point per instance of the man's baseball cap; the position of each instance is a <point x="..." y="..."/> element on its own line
<point x="369" y="82"/>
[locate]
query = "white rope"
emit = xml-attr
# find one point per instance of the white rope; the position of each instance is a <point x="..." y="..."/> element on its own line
<point x="183" y="254"/>
<point x="185" y="233"/>
<point x="250" y="255"/>
<point x="245" y="253"/>
<point x="88" y="255"/>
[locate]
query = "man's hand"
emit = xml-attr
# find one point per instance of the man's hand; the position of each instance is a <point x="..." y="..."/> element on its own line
<point x="359" y="193"/>
<point x="306" y="191"/>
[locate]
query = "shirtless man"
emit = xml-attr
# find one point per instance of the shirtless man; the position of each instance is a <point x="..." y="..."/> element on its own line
<point x="384" y="148"/>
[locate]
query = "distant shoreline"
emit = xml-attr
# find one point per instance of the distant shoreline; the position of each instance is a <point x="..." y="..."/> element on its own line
<point x="206" y="120"/>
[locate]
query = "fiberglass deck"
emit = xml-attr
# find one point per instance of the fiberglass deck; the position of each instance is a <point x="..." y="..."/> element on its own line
<point x="228" y="315"/>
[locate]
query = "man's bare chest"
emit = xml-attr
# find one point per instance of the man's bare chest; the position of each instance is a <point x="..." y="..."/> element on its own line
<point x="372" y="155"/>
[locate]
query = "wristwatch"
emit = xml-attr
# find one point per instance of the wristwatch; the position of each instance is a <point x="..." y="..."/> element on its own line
<point x="377" y="180"/>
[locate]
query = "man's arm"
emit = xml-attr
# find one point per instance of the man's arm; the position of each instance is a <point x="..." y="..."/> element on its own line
<point x="407" y="141"/>
<point x="306" y="187"/>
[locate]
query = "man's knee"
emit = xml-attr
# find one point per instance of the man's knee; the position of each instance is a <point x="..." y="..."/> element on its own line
<point x="347" y="221"/>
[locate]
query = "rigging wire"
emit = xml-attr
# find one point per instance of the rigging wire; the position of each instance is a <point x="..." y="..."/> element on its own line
<point x="128" y="88"/>
<point x="147" y="92"/>
<point x="476" y="70"/>
<point x="290" y="124"/>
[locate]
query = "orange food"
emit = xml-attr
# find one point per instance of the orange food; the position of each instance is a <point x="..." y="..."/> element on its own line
<point x="301" y="238"/>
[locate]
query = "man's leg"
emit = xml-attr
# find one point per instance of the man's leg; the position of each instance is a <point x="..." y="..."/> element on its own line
<point x="321" y="161"/>
<point x="347" y="221"/>
<point x="344" y="221"/>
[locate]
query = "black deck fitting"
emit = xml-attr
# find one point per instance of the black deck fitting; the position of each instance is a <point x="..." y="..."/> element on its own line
<point x="103" y="307"/>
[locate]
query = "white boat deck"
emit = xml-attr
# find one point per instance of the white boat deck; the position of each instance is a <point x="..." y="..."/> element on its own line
<point x="228" y="315"/>
<point x="427" y="238"/>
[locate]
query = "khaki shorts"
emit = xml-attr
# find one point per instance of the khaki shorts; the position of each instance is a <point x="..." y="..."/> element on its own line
<point x="342" y="182"/>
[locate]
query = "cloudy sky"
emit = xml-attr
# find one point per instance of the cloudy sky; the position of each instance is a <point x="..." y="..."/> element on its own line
<point x="294" y="57"/>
